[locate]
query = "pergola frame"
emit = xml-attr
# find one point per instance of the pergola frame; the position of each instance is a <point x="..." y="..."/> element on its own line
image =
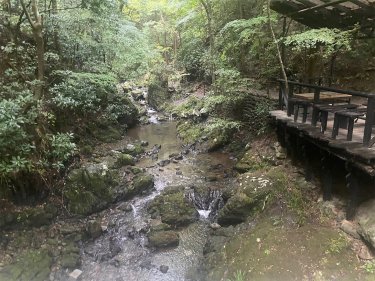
<point x="343" y="14"/>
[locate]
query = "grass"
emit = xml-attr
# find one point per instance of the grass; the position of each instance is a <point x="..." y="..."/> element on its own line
<point x="238" y="276"/>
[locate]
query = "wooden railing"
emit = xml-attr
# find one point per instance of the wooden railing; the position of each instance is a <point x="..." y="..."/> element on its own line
<point x="370" y="113"/>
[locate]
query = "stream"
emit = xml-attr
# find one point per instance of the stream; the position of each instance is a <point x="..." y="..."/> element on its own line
<point x="121" y="253"/>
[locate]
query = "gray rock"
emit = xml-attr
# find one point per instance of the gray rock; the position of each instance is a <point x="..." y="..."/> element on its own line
<point x="164" y="239"/>
<point x="75" y="274"/>
<point x="215" y="226"/>
<point x="366" y="221"/>
<point x="164" y="163"/>
<point x="164" y="268"/>
<point x="94" y="228"/>
<point x="349" y="228"/>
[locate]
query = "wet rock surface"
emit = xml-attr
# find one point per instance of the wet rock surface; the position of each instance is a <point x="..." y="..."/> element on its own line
<point x="174" y="208"/>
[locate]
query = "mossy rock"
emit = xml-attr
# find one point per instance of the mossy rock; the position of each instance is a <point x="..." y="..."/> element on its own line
<point x="127" y="113"/>
<point x="158" y="94"/>
<point x="174" y="209"/>
<point x="236" y="210"/>
<point x="33" y="265"/>
<point x="163" y="239"/>
<point x="70" y="257"/>
<point x="90" y="189"/>
<point x="124" y="160"/>
<point x="133" y="149"/>
<point x="246" y="200"/>
<point x="250" y="162"/>
<point x="141" y="183"/>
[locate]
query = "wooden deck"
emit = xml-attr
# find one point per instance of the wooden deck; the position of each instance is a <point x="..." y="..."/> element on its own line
<point x="353" y="151"/>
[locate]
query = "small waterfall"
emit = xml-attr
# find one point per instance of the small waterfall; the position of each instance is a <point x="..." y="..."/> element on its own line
<point x="134" y="210"/>
<point x="206" y="204"/>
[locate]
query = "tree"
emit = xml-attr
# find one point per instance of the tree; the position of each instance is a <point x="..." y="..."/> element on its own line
<point x="36" y="22"/>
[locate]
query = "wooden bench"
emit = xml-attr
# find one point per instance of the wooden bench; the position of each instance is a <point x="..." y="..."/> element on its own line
<point x="293" y="106"/>
<point x="324" y="109"/>
<point x="349" y="116"/>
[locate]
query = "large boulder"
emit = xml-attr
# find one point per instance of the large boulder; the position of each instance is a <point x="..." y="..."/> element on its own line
<point x="141" y="183"/>
<point x="366" y="221"/>
<point x="158" y="94"/>
<point x="163" y="239"/>
<point x="174" y="208"/>
<point x="245" y="200"/>
<point x="90" y="189"/>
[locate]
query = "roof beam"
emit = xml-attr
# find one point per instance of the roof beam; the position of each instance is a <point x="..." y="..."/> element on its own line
<point x="319" y="7"/>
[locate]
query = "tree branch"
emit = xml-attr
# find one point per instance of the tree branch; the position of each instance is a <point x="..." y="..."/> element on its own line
<point x="27" y="14"/>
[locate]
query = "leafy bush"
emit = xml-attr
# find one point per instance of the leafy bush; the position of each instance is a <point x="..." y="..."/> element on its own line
<point x="331" y="40"/>
<point x="83" y="93"/>
<point x="25" y="151"/>
<point x="17" y="118"/>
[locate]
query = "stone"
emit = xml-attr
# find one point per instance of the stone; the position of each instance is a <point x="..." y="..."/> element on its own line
<point x="94" y="228"/>
<point x="179" y="157"/>
<point x="144" y="143"/>
<point x="366" y="221"/>
<point x="164" y="163"/>
<point x="215" y="226"/>
<point x="173" y="208"/>
<point x="90" y="188"/>
<point x="164" y="268"/>
<point x="365" y="254"/>
<point x="141" y="183"/>
<point x="124" y="160"/>
<point x="126" y="207"/>
<point x="349" y="228"/>
<point x="178" y="173"/>
<point x="163" y="239"/>
<point x="75" y="274"/>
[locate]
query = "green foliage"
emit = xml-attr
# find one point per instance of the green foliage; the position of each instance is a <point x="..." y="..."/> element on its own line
<point x="62" y="148"/>
<point x="17" y="116"/>
<point x="83" y="92"/>
<point x="101" y="44"/>
<point x="238" y="276"/>
<point x="258" y="116"/>
<point x="337" y="245"/>
<point x="369" y="267"/>
<point x="331" y="40"/>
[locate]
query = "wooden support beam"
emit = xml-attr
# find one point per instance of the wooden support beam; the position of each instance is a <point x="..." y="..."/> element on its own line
<point x="317" y="7"/>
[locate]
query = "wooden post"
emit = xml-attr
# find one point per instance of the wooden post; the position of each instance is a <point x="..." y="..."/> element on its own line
<point x="290" y="95"/>
<point x="352" y="185"/>
<point x="370" y="115"/>
<point x="326" y="175"/>
<point x="281" y="95"/>
<point x="315" y="113"/>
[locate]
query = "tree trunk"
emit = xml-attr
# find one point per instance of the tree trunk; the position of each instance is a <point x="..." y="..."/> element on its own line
<point x="37" y="28"/>
<point x="207" y="5"/>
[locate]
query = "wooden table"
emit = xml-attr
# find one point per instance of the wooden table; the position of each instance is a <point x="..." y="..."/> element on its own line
<point x="325" y="97"/>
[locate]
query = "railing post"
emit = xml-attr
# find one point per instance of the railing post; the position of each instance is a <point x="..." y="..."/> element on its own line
<point x="281" y="95"/>
<point x="290" y="106"/>
<point x="369" y="120"/>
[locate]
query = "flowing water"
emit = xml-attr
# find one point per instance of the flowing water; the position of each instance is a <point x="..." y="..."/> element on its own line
<point x="122" y="252"/>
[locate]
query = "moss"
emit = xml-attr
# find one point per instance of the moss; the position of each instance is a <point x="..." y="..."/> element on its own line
<point x="189" y="131"/>
<point x="163" y="239"/>
<point x="87" y="150"/>
<point x="174" y="209"/>
<point x="141" y="183"/>
<point x="89" y="189"/>
<point x="32" y="265"/>
<point x="124" y="160"/>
